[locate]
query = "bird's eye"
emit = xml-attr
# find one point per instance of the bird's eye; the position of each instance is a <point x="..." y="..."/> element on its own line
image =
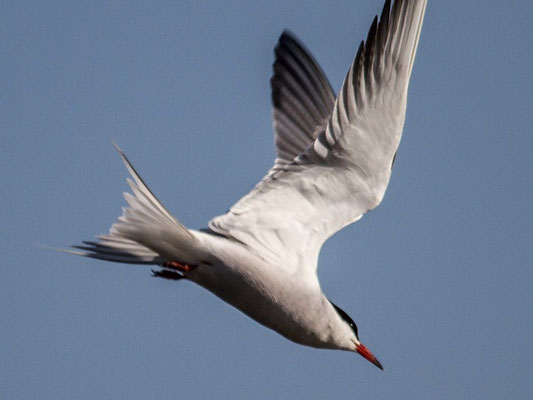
<point x="346" y="318"/>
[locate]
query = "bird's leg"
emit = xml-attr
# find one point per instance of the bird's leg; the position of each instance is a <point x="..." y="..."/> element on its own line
<point x="167" y="274"/>
<point x="173" y="270"/>
<point x="178" y="267"/>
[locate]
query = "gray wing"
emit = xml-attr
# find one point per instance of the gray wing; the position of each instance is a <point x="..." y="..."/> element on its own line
<point x="345" y="171"/>
<point x="302" y="98"/>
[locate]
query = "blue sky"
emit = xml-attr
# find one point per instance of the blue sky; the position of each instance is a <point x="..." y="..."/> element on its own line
<point x="438" y="278"/>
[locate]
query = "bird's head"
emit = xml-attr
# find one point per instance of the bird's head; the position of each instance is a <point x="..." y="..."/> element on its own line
<point x="355" y="343"/>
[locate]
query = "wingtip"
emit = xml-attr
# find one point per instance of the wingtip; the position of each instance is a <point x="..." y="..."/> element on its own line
<point x="117" y="147"/>
<point x="286" y="34"/>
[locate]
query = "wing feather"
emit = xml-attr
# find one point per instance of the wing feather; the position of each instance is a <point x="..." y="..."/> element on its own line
<point x="301" y="96"/>
<point x="344" y="171"/>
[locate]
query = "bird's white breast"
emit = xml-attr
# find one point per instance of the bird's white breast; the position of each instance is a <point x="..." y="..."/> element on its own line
<point x="271" y="295"/>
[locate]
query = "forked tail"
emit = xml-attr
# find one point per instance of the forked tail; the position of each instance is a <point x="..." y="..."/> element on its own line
<point x="146" y="233"/>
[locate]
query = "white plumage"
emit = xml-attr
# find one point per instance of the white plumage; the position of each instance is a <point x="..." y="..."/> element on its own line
<point x="334" y="161"/>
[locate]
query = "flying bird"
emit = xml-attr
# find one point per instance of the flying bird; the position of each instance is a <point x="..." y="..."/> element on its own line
<point x="334" y="160"/>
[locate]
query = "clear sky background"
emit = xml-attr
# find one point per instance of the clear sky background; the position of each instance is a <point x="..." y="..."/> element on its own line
<point x="438" y="278"/>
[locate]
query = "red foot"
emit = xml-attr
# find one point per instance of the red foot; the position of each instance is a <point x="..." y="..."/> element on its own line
<point x="180" y="267"/>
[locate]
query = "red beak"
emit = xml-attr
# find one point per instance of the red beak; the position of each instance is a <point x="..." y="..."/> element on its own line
<point x="363" y="350"/>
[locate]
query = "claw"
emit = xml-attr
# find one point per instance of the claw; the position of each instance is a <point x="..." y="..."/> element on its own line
<point x="166" y="274"/>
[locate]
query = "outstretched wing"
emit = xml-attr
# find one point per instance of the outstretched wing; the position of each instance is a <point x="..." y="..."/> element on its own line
<point x="344" y="172"/>
<point x="302" y="98"/>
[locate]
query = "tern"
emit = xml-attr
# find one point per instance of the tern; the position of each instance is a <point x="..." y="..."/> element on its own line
<point x="334" y="160"/>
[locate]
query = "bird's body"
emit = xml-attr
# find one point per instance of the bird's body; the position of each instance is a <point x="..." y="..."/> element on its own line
<point x="334" y="161"/>
<point x="265" y="292"/>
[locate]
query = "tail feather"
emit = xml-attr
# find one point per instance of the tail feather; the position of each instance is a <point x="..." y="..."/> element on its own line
<point x="118" y="250"/>
<point x="146" y="233"/>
